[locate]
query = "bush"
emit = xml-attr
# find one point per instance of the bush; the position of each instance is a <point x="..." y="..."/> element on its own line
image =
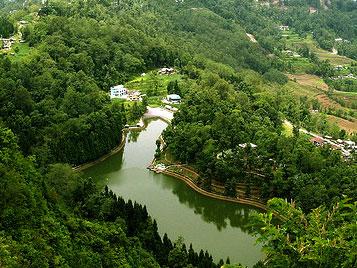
<point x="276" y="76"/>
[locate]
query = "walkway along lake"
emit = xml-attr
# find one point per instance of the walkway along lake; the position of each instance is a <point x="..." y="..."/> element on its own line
<point x="213" y="225"/>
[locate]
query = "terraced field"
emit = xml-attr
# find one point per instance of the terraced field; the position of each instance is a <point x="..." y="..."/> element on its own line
<point x="315" y="88"/>
<point x="294" y="42"/>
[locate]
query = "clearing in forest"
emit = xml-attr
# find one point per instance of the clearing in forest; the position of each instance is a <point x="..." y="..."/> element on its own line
<point x="309" y="80"/>
<point x="294" y="42"/>
<point x="349" y="126"/>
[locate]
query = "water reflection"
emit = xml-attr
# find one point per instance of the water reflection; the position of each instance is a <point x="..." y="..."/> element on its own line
<point x="133" y="136"/>
<point x="220" y="213"/>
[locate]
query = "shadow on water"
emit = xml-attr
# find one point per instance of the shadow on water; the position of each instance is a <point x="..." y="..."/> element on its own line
<point x="111" y="165"/>
<point x="133" y="136"/>
<point x="220" y="213"/>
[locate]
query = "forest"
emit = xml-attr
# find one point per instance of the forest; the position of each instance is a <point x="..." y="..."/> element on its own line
<point x="55" y="113"/>
<point x="58" y="219"/>
<point x="219" y="116"/>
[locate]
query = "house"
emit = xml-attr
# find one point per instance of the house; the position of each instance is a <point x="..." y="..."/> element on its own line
<point x="346" y="154"/>
<point x="349" y="144"/>
<point x="225" y="153"/>
<point x="336" y="147"/>
<point x="118" y="92"/>
<point x="318" y="141"/>
<point x="338" y="40"/>
<point x="6" y="44"/>
<point x="173" y="98"/>
<point x="284" y="28"/>
<point x="351" y="76"/>
<point x="163" y="71"/>
<point x="244" y="145"/>
<point x="134" y="95"/>
<point x="288" y="53"/>
<point x="313" y="10"/>
<point x="170" y="108"/>
<point x="338" y="68"/>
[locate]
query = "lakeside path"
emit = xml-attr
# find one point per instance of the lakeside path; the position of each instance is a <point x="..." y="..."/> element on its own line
<point x="161" y="113"/>
<point x="189" y="182"/>
<point x="192" y="185"/>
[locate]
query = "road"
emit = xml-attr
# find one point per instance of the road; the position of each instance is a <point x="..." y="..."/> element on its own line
<point x="344" y="151"/>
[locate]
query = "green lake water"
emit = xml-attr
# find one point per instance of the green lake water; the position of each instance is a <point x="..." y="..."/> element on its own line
<point x="213" y="225"/>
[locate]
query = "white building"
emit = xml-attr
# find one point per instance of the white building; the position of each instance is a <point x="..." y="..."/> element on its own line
<point x="284" y="28"/>
<point x="244" y="145"/>
<point x="173" y="98"/>
<point x="163" y="71"/>
<point x="350" y="144"/>
<point x="118" y="92"/>
<point x="134" y="95"/>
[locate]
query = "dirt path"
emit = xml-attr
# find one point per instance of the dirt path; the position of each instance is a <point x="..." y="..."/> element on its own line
<point x="159" y="112"/>
<point x="252" y="38"/>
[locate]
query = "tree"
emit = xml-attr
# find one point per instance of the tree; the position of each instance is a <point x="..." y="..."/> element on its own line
<point x="6" y="27"/>
<point x="276" y="76"/>
<point x="230" y="188"/>
<point x="178" y="256"/>
<point x="322" y="238"/>
<point x="61" y="182"/>
<point x="158" y="149"/>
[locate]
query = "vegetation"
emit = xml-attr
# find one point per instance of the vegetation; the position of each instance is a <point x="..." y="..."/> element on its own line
<point x="6" y="27"/>
<point x="221" y="117"/>
<point x="156" y="86"/>
<point x="322" y="238"/>
<point x="59" y="219"/>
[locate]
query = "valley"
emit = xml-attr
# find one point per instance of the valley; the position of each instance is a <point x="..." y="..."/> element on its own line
<point x="251" y="164"/>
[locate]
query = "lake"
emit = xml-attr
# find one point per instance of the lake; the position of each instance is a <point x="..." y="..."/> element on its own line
<point x="213" y="225"/>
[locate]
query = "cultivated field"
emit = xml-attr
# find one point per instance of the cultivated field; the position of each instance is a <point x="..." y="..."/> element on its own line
<point x="309" y="80"/>
<point x="347" y="125"/>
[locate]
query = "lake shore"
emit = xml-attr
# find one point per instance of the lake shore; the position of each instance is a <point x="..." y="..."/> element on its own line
<point x="162" y="115"/>
<point x="104" y="157"/>
<point x="198" y="189"/>
<point x="151" y="113"/>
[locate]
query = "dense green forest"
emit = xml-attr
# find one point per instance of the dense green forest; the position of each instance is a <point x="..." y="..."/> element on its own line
<point x="220" y="115"/>
<point x="55" y="113"/>
<point x="58" y="219"/>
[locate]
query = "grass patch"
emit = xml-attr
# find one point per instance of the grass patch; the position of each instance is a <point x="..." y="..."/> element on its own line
<point x="349" y="99"/>
<point x="21" y="50"/>
<point x="309" y="80"/>
<point x="299" y="65"/>
<point x="287" y="129"/>
<point x="153" y="85"/>
<point x="301" y="90"/>
<point x="349" y="126"/>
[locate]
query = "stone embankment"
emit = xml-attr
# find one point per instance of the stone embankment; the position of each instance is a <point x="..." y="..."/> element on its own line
<point x="197" y="188"/>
